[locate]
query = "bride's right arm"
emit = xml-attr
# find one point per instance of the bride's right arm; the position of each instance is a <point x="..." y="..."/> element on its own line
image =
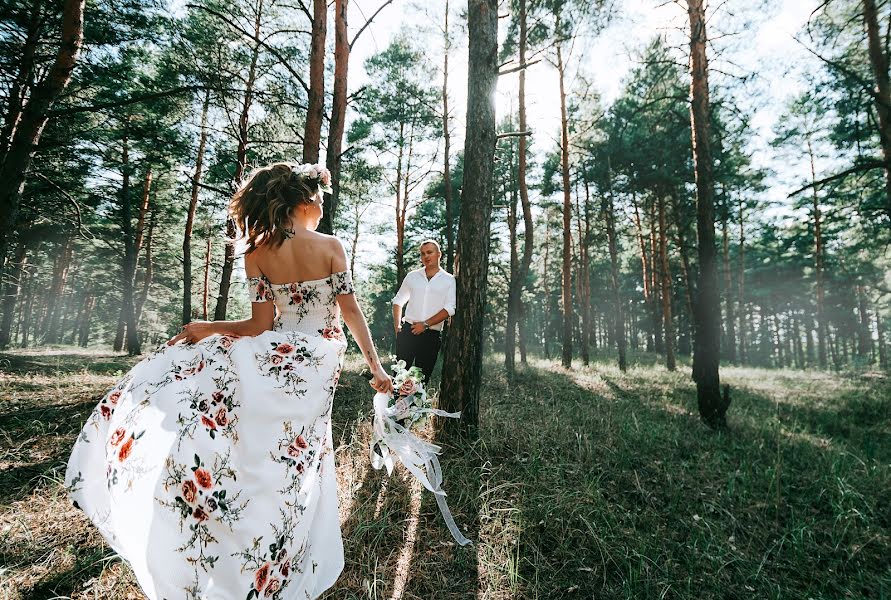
<point x="355" y="320"/>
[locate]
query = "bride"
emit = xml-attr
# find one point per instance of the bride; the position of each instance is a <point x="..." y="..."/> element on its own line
<point x="209" y="467"/>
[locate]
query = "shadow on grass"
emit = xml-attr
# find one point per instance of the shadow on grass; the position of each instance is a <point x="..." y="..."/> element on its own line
<point x="395" y="542"/>
<point x="618" y="491"/>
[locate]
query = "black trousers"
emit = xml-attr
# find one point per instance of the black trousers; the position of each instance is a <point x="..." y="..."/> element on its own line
<point x="418" y="350"/>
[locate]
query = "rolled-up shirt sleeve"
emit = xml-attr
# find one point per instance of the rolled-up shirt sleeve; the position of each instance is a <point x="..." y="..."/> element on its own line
<point x="404" y="293"/>
<point x="450" y="298"/>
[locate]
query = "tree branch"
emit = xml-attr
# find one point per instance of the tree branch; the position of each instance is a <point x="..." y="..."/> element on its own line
<point x="860" y="168"/>
<point x="368" y="22"/>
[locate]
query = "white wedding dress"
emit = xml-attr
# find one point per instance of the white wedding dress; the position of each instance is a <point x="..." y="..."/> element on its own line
<point x="210" y="467"/>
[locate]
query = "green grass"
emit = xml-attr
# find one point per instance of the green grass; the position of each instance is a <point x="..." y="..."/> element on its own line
<point x="588" y="483"/>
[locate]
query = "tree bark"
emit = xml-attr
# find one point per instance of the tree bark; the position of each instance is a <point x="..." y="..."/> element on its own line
<point x="20" y="85"/>
<point x="33" y="119"/>
<point x="818" y="261"/>
<point x="312" y="133"/>
<point x="567" y="215"/>
<point x="447" y="142"/>
<point x="52" y="333"/>
<point x="665" y="272"/>
<point x="729" y="317"/>
<point x="612" y="242"/>
<point x="149" y="268"/>
<point x="741" y="281"/>
<point x="707" y="318"/>
<point x="190" y="216"/>
<point x="13" y="288"/>
<point x="83" y="334"/>
<point x="338" y="114"/>
<point x="205" y="294"/>
<point x="513" y="287"/>
<point x="878" y="60"/>
<point x="463" y="362"/>
<point x="241" y="164"/>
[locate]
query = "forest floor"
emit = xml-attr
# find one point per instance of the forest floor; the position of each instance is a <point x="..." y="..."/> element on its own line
<point x="588" y="483"/>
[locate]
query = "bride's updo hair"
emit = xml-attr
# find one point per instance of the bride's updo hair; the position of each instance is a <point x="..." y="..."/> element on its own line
<point x="262" y="206"/>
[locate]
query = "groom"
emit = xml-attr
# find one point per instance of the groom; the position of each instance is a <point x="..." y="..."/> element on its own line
<point x="430" y="293"/>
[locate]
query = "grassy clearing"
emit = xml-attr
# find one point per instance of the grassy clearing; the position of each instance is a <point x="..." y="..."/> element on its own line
<point x="584" y="484"/>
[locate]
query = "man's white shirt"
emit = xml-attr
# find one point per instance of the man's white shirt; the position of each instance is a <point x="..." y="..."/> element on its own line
<point x="426" y="297"/>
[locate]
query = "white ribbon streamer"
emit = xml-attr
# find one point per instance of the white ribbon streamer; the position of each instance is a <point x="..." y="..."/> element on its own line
<point x="389" y="438"/>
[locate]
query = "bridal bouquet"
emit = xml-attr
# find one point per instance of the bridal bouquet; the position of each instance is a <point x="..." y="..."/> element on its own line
<point x="392" y="438"/>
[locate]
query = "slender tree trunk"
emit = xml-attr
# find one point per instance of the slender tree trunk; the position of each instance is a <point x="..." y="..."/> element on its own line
<point x="338" y="114"/>
<point x="33" y="118"/>
<point x="583" y="297"/>
<point x="667" y="321"/>
<point x="400" y="211"/>
<point x="83" y="334"/>
<point x="547" y="287"/>
<point x="241" y="158"/>
<point x="205" y="294"/>
<point x="312" y="134"/>
<point x="880" y="330"/>
<point x="729" y="318"/>
<point x="655" y="283"/>
<point x="567" y="215"/>
<point x="149" y="269"/>
<point x="864" y="335"/>
<point x="19" y="90"/>
<point x="878" y="60"/>
<point x="190" y="216"/>
<point x="707" y="328"/>
<point x="462" y="365"/>
<point x="644" y="262"/>
<point x="447" y="143"/>
<point x="513" y="288"/>
<point x="818" y="261"/>
<point x="741" y="282"/>
<point x="127" y="235"/>
<point x="52" y="333"/>
<point x="518" y="283"/>
<point x="609" y="211"/>
<point x="13" y="288"/>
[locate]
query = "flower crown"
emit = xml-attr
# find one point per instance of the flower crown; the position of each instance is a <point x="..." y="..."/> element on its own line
<point x="317" y="174"/>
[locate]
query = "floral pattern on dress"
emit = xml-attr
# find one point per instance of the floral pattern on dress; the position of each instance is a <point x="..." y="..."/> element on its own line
<point x="198" y="429"/>
<point x="260" y="289"/>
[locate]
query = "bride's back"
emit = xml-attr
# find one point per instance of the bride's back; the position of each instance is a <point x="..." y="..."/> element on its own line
<point x="305" y="256"/>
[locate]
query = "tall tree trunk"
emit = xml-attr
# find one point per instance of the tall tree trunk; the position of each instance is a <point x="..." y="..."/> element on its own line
<point x="818" y="260"/>
<point x="864" y="334"/>
<point x="644" y="262"/>
<point x="241" y="161"/>
<point x="149" y="268"/>
<point x="513" y="288"/>
<point x="519" y="282"/>
<point x="19" y="90"/>
<point x="567" y="215"/>
<point x="13" y="288"/>
<point x="128" y="267"/>
<point x="190" y="216"/>
<point x="729" y="317"/>
<point x="667" y="321"/>
<point x="33" y="118"/>
<point x="583" y="295"/>
<point x="741" y="282"/>
<point x="447" y="143"/>
<point x="205" y="293"/>
<point x="612" y="242"/>
<point x="400" y="211"/>
<point x="338" y="114"/>
<point x="463" y="362"/>
<point x="878" y="60"/>
<point x="880" y="330"/>
<point x="655" y="282"/>
<point x="52" y="333"/>
<point x="707" y="328"/>
<point x="83" y="334"/>
<point x="312" y="133"/>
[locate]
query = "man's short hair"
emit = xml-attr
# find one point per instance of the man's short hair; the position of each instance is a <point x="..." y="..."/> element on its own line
<point x="434" y="242"/>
